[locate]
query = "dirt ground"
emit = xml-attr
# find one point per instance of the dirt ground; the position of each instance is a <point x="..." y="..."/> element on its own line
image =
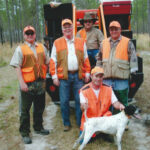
<point x="137" y="138"/>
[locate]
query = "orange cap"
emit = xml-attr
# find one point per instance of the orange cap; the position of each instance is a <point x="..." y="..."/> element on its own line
<point x="97" y="70"/>
<point x="27" y="28"/>
<point x="115" y="24"/>
<point x="64" y="21"/>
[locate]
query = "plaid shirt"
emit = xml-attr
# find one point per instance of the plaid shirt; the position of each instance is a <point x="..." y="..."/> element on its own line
<point x="131" y="53"/>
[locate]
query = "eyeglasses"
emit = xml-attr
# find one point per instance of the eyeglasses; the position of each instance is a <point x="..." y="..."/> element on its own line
<point x="87" y="21"/>
<point x="65" y="28"/>
<point x="29" y="33"/>
<point x="114" y="29"/>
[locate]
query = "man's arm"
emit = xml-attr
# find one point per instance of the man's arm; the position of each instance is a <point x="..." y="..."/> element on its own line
<point x="99" y="58"/>
<point x="100" y="37"/>
<point x="83" y="102"/>
<point x="86" y="64"/>
<point x="23" y="85"/>
<point x="132" y="57"/>
<point x="47" y="58"/>
<point x="53" y="66"/>
<point x="118" y="105"/>
<point x="115" y="102"/>
<point x="16" y="62"/>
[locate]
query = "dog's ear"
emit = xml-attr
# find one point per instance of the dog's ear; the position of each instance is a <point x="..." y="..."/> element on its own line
<point x="129" y="110"/>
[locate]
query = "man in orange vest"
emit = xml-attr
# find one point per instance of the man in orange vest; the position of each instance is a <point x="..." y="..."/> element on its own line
<point x="91" y="35"/>
<point x="97" y="97"/>
<point x="69" y="66"/>
<point x="118" y="57"/>
<point x="30" y="61"/>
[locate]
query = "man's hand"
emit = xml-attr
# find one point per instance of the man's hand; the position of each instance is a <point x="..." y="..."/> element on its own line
<point x="119" y="106"/>
<point x="122" y="107"/>
<point x="84" y="106"/>
<point x="56" y="82"/>
<point x="23" y="86"/>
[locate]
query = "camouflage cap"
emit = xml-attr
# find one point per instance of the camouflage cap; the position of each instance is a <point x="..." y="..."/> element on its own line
<point x="87" y="16"/>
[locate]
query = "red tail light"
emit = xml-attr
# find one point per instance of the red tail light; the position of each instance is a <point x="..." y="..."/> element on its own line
<point x="133" y="85"/>
<point x="52" y="88"/>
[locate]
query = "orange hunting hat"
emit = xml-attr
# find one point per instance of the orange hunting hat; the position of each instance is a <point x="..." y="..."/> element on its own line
<point x="97" y="70"/>
<point x="115" y="24"/>
<point x="27" y="28"/>
<point x="64" y="21"/>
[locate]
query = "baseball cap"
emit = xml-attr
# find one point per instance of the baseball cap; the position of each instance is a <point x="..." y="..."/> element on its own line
<point x="64" y="21"/>
<point x="97" y="70"/>
<point x="27" y="28"/>
<point x="115" y="24"/>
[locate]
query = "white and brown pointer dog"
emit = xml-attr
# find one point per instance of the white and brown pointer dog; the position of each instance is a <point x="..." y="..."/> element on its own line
<point x="114" y="125"/>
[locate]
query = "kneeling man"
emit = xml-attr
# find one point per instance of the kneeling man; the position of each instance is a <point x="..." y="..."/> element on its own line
<point x="97" y="97"/>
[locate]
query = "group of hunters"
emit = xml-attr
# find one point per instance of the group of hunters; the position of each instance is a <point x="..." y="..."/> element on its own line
<point x="96" y="88"/>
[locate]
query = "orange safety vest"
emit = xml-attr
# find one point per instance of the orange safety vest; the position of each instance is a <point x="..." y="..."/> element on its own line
<point x="97" y="107"/>
<point x="82" y="33"/>
<point x="117" y="65"/>
<point x="33" y="68"/>
<point x="62" y="58"/>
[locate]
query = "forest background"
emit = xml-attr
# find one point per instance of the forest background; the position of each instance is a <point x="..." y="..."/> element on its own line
<point x="16" y="14"/>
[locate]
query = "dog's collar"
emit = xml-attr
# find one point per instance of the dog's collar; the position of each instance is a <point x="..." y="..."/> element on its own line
<point x="129" y="117"/>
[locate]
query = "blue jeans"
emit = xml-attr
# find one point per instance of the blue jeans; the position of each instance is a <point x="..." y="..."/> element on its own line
<point x="64" y="92"/>
<point x="117" y="84"/>
<point x="91" y="54"/>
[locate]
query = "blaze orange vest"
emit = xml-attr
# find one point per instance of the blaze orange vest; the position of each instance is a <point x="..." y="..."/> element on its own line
<point x="117" y="65"/>
<point x="62" y="58"/>
<point x="97" y="107"/>
<point x="32" y="67"/>
<point x="121" y="49"/>
<point x="82" y="33"/>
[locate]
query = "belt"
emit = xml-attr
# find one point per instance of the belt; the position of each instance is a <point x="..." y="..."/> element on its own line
<point x="73" y="71"/>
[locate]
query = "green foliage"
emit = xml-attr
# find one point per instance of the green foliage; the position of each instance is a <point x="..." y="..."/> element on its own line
<point x="24" y="12"/>
<point x="140" y="16"/>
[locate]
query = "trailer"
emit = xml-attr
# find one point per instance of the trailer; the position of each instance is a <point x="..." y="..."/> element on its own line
<point x="120" y="10"/>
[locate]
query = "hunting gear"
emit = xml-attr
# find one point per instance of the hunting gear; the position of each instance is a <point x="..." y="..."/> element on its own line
<point x="30" y="61"/>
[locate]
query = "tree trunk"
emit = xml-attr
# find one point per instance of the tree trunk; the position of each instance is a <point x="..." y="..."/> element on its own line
<point x="17" y="23"/>
<point x="9" y="23"/>
<point x="37" y="20"/>
<point x="20" y="21"/>
<point x="148" y="7"/>
<point x="1" y="31"/>
<point x="13" y="22"/>
<point x="137" y="27"/>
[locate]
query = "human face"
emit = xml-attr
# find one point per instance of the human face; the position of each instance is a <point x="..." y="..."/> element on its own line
<point x="115" y="32"/>
<point x="97" y="80"/>
<point x="30" y="36"/>
<point x="67" y="30"/>
<point x="88" y="24"/>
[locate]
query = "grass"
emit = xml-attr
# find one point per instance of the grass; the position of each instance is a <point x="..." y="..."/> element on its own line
<point x="9" y="122"/>
<point x="143" y="41"/>
<point x="69" y="137"/>
<point x="8" y="91"/>
<point x="6" y="53"/>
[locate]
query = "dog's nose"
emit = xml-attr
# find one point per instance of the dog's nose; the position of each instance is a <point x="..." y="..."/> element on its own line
<point x="140" y="110"/>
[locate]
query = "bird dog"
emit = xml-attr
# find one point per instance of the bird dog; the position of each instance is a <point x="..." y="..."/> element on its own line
<point x="114" y="125"/>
